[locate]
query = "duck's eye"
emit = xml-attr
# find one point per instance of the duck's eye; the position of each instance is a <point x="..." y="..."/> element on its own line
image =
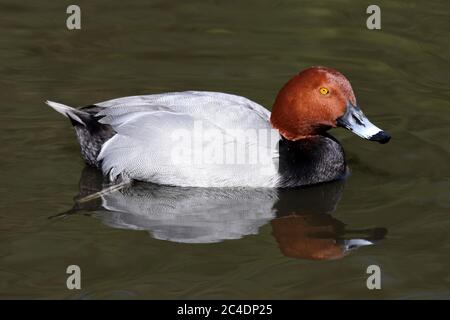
<point x="324" y="91"/>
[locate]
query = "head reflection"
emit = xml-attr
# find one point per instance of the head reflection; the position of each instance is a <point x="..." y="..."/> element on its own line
<point x="300" y="218"/>
<point x="304" y="227"/>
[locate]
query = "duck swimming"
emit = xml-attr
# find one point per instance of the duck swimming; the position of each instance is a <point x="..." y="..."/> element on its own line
<point x="163" y="138"/>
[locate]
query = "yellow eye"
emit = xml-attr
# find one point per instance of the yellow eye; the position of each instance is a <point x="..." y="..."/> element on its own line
<point x="324" y="90"/>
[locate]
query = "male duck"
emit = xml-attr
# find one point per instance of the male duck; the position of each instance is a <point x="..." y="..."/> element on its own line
<point x="210" y="139"/>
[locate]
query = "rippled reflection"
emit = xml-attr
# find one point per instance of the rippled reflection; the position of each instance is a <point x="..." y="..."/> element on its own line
<point x="300" y="218"/>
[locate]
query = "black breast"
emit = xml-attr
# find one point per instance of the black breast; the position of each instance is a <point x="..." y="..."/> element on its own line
<point x="310" y="161"/>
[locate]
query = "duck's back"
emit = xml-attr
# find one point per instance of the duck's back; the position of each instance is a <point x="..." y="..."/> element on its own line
<point x="224" y="110"/>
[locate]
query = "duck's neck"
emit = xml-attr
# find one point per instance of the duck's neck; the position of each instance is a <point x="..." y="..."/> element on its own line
<point x="311" y="160"/>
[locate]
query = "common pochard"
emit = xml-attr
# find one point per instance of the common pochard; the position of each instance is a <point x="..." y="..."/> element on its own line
<point x="211" y="139"/>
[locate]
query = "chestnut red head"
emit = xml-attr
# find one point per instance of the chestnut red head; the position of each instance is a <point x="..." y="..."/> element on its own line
<point x="316" y="100"/>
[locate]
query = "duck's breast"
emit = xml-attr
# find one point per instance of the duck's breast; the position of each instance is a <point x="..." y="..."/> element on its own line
<point x="310" y="161"/>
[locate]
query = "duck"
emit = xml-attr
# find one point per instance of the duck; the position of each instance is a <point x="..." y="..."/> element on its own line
<point x="213" y="139"/>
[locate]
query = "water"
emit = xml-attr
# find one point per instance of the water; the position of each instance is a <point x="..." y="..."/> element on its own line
<point x="225" y="244"/>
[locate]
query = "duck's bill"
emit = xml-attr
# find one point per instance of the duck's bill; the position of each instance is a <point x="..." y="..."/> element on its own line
<point x="355" y="121"/>
<point x="353" y="244"/>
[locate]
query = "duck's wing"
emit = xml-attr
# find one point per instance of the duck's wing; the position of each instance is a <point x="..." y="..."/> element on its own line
<point x="226" y="110"/>
<point x="190" y="139"/>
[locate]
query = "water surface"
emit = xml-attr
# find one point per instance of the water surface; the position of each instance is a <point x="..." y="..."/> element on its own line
<point x="153" y="242"/>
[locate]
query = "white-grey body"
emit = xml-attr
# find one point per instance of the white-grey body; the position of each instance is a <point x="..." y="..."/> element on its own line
<point x="144" y="127"/>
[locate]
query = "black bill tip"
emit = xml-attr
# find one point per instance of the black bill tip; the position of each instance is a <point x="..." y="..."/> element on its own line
<point x="381" y="137"/>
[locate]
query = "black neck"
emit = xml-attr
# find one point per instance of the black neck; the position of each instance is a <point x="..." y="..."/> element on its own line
<point x="311" y="160"/>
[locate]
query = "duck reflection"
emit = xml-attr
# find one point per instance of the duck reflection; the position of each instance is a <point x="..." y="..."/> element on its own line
<point x="300" y="218"/>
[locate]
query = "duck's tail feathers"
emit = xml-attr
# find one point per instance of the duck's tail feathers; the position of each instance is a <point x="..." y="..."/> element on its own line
<point x="76" y="116"/>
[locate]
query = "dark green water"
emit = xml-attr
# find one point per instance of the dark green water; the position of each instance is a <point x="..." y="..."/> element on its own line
<point x="400" y="75"/>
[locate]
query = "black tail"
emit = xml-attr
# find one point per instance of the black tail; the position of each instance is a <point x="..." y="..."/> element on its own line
<point x="91" y="133"/>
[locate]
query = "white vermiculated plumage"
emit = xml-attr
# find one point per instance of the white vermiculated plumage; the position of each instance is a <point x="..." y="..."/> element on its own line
<point x="146" y="127"/>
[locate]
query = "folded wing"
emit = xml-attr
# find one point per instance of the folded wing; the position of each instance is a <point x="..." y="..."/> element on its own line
<point x="190" y="139"/>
